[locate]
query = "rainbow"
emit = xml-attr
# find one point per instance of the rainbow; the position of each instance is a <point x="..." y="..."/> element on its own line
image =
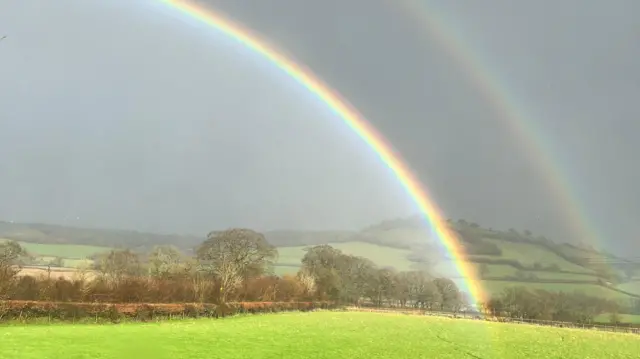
<point x="357" y="123"/>
<point x="511" y="111"/>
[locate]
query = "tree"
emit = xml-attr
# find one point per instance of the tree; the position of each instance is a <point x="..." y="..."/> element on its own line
<point x="357" y="275"/>
<point x="323" y="264"/>
<point x="10" y="255"/>
<point x="235" y="255"/>
<point x="382" y="285"/>
<point x="449" y="291"/>
<point x="307" y="282"/>
<point x="166" y="261"/>
<point x="614" y="318"/>
<point x="118" y="264"/>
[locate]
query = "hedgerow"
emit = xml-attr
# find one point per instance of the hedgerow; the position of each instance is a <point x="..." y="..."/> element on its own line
<point x="68" y="311"/>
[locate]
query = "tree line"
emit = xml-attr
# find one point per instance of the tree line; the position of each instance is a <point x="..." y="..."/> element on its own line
<point x="236" y="265"/>
<point x="231" y="265"/>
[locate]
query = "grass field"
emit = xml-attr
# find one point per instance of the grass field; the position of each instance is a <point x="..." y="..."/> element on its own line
<point x="527" y="254"/>
<point x="382" y="256"/>
<point x="327" y="335"/>
<point x="624" y="318"/>
<point x="71" y="251"/>
<point x="496" y="287"/>
<point x="631" y="287"/>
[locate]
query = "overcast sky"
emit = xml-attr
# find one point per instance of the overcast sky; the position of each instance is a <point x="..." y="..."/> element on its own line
<point x="127" y="114"/>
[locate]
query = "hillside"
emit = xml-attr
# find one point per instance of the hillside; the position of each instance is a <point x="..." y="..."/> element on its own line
<point x="502" y="258"/>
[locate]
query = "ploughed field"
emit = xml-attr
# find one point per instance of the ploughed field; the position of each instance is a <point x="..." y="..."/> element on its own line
<point x="313" y="335"/>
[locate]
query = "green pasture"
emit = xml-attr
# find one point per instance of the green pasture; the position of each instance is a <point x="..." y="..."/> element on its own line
<point x="497" y="287"/>
<point x="71" y="251"/>
<point x="381" y="255"/>
<point x="631" y="287"/>
<point x="528" y="254"/>
<point x="624" y="318"/>
<point x="326" y="335"/>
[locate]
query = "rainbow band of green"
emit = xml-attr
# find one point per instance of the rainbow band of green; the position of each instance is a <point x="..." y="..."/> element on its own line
<point x="357" y="123"/>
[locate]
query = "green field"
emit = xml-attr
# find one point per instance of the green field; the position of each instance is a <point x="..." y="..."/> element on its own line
<point x="527" y="254"/>
<point x="497" y="287"/>
<point x="631" y="287"/>
<point x="381" y="255"/>
<point x="71" y="251"/>
<point x="624" y="318"/>
<point x="327" y="335"/>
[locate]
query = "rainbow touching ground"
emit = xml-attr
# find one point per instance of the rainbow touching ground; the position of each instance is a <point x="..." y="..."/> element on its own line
<point x="357" y="123"/>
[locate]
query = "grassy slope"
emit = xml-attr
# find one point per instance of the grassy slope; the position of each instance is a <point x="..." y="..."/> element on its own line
<point x="70" y="251"/>
<point x="631" y="287"/>
<point x="527" y="254"/>
<point x="314" y="335"/>
<point x="383" y="256"/>
<point x="496" y="287"/>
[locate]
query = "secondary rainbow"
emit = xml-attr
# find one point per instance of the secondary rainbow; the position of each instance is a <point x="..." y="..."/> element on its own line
<point x="356" y="122"/>
<point x="510" y="109"/>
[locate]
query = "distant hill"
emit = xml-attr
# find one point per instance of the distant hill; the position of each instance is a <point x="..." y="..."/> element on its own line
<point x="114" y="238"/>
<point x="503" y="258"/>
<point x="56" y="234"/>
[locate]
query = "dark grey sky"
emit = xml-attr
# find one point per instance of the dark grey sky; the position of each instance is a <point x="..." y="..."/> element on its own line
<point x="123" y="114"/>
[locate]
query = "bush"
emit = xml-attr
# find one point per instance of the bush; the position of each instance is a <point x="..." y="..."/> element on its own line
<point x="25" y="310"/>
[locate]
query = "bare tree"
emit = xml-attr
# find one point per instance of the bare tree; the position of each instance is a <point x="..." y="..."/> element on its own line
<point x="307" y="281"/>
<point x="118" y="264"/>
<point x="235" y="255"/>
<point x="166" y="261"/>
<point x="10" y="254"/>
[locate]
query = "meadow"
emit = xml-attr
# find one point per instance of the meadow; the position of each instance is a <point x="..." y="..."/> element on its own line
<point x="70" y="251"/>
<point x="313" y="335"/>
<point x="381" y="255"/>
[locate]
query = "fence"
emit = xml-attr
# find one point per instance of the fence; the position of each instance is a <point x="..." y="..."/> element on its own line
<point x="477" y="316"/>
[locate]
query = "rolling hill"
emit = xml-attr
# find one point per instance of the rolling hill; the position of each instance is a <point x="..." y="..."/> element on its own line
<point x="503" y="258"/>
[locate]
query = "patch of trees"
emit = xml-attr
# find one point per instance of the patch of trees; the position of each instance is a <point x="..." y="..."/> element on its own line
<point x="523" y="303"/>
<point x="231" y="266"/>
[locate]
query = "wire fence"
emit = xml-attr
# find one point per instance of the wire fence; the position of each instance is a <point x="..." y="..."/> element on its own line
<point x="477" y="316"/>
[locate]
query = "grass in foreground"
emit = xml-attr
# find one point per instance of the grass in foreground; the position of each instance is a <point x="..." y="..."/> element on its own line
<point x="313" y="335"/>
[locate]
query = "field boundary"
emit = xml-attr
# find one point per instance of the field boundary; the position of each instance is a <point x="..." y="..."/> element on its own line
<point x="476" y="316"/>
<point x="24" y="311"/>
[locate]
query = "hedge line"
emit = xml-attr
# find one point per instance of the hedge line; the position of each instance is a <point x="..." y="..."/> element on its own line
<point x="66" y="311"/>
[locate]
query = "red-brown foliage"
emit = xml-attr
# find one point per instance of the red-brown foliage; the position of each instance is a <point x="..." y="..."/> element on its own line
<point x="24" y="310"/>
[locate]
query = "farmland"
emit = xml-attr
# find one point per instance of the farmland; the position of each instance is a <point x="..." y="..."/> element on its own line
<point x="313" y="335"/>
<point x="521" y="261"/>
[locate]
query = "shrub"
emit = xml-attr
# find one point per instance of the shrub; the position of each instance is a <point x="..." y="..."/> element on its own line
<point x="24" y="310"/>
